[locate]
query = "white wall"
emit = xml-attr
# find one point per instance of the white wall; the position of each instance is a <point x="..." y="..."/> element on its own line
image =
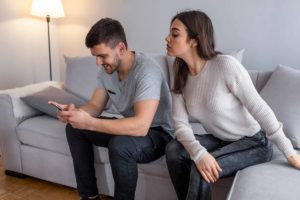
<point x="24" y="46"/>
<point x="268" y="29"/>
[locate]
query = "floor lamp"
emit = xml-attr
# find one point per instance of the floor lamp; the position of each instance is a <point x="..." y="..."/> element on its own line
<point x="48" y="9"/>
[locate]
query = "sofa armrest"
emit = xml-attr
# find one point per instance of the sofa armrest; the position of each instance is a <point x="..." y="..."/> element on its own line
<point x="12" y="112"/>
<point x="20" y="109"/>
<point x="10" y="145"/>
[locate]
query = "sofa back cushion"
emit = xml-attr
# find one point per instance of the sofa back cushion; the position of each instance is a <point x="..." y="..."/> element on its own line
<point x="81" y="73"/>
<point x="282" y="94"/>
<point x="81" y="76"/>
<point x="259" y="78"/>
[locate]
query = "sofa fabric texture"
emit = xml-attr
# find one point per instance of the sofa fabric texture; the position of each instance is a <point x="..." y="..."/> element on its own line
<point x="274" y="180"/>
<point x="35" y="144"/>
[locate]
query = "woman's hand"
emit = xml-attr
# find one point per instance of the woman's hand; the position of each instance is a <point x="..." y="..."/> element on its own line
<point x="294" y="160"/>
<point x="209" y="168"/>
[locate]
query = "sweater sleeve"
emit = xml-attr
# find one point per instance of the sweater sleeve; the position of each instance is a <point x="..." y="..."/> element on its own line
<point x="183" y="130"/>
<point x="239" y="83"/>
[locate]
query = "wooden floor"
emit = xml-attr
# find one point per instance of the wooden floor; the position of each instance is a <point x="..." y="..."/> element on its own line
<point x="12" y="188"/>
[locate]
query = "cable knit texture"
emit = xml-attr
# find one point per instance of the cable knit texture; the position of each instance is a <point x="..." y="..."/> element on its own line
<point x="223" y="98"/>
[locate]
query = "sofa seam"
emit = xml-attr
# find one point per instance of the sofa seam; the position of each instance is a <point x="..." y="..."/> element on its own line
<point x="232" y="186"/>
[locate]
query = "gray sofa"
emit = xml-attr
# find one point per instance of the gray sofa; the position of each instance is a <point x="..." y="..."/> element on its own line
<point x="35" y="144"/>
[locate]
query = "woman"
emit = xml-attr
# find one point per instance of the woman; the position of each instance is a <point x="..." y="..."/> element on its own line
<point x="217" y="91"/>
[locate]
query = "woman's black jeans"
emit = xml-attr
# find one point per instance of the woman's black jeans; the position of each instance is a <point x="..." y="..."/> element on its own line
<point x="124" y="154"/>
<point x="231" y="156"/>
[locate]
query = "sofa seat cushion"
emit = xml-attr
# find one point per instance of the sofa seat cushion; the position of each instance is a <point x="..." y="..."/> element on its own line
<point x="272" y="180"/>
<point x="44" y="132"/>
<point x="47" y="133"/>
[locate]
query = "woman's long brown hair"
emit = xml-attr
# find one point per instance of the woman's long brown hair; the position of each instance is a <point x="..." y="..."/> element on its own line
<point x="199" y="27"/>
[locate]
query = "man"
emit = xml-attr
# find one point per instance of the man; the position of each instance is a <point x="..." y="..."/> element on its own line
<point x="136" y="87"/>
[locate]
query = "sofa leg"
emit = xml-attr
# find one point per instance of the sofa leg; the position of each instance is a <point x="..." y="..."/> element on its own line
<point x="14" y="174"/>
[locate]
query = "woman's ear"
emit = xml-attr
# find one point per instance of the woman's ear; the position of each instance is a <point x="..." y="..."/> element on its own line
<point x="194" y="43"/>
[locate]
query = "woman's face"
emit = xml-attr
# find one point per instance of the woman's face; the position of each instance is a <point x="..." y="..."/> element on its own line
<point x="178" y="42"/>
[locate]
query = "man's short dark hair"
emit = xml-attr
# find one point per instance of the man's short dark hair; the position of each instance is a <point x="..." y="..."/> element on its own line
<point x="107" y="31"/>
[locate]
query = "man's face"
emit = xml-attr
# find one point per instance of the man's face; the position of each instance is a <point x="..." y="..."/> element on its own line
<point x="107" y="57"/>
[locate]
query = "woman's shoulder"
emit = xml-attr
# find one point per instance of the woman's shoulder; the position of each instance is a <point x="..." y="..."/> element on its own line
<point x="227" y="64"/>
<point x="225" y="59"/>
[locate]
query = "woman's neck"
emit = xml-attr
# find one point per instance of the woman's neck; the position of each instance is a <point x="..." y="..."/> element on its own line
<point x="195" y="64"/>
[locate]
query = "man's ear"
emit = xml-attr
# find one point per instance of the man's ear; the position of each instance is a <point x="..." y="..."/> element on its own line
<point x="122" y="48"/>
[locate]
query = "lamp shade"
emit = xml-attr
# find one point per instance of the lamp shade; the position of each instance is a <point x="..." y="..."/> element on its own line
<point x="51" y="8"/>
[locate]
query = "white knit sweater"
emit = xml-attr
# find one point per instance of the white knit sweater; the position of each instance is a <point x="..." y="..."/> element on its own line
<point x="223" y="98"/>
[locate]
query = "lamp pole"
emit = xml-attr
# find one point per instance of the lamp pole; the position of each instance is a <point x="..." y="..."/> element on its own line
<point x="48" y="8"/>
<point x="49" y="46"/>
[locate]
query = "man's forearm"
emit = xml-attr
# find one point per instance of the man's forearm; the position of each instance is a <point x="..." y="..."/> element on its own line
<point x="91" y="109"/>
<point x="125" y="126"/>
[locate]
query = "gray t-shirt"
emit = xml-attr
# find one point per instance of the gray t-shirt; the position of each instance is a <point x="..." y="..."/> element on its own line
<point x="145" y="81"/>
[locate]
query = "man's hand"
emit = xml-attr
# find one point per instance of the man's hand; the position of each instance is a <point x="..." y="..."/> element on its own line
<point x="79" y="118"/>
<point x="209" y="168"/>
<point x="60" y="113"/>
<point x="294" y="160"/>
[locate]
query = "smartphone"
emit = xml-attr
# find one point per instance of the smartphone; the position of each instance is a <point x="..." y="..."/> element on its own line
<point x="57" y="106"/>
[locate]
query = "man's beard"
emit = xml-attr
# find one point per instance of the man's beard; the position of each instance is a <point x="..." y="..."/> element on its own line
<point x="116" y="64"/>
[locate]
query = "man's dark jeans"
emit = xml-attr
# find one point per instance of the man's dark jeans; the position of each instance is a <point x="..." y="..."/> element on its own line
<point x="231" y="156"/>
<point x="124" y="154"/>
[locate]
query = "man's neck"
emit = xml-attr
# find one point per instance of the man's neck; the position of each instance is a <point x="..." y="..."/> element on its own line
<point x="126" y="64"/>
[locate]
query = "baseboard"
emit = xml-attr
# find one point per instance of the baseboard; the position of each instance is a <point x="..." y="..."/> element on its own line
<point x="14" y="174"/>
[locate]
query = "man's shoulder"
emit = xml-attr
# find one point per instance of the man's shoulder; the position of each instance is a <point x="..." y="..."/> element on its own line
<point x="143" y="58"/>
<point x="147" y="64"/>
